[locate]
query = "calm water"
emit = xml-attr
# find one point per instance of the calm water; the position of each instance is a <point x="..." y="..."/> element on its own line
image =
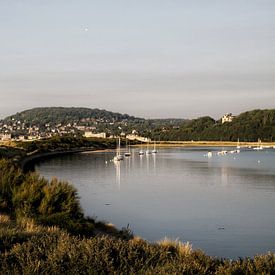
<point x="224" y="205"/>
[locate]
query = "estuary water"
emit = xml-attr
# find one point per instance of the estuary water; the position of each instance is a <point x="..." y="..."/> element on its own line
<point x="224" y="204"/>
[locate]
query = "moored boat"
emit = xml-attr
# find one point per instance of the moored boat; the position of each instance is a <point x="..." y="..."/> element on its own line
<point x="118" y="156"/>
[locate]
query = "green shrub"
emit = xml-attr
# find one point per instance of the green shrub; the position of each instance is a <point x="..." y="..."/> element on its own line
<point x="11" y="178"/>
<point x="60" y="197"/>
<point x="28" y="196"/>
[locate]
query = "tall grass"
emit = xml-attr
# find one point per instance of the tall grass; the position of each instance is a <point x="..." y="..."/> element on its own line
<point x="54" y="251"/>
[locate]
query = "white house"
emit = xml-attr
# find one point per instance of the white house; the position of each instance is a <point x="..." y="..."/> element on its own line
<point x="139" y="138"/>
<point x="5" y="137"/>
<point x="91" y="134"/>
<point x="227" y="118"/>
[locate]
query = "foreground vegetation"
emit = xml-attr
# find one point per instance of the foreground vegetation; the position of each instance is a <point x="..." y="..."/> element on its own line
<point x="27" y="248"/>
<point x="43" y="230"/>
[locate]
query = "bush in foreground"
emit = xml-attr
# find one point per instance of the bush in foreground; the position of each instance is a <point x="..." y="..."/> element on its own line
<point x="51" y="203"/>
<point x="50" y="250"/>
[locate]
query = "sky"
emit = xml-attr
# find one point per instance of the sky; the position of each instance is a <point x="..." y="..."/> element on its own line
<point x="148" y="58"/>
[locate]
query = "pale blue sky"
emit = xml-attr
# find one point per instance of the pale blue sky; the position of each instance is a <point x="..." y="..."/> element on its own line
<point x="173" y="58"/>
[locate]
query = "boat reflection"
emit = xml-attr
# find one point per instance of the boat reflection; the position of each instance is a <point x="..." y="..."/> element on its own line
<point x="118" y="173"/>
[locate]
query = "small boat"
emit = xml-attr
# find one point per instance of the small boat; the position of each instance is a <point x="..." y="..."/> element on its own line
<point x="141" y="153"/>
<point x="118" y="156"/>
<point x="238" y="144"/>
<point x="209" y="154"/>
<point x="127" y="153"/>
<point x="154" y="151"/>
<point x="259" y="147"/>
<point x="237" y="151"/>
<point x="222" y="153"/>
<point x="148" y="152"/>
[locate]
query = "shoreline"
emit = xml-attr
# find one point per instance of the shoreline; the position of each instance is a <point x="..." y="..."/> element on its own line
<point x="27" y="163"/>
<point x="204" y="144"/>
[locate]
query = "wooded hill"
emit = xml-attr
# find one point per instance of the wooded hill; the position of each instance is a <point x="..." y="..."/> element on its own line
<point x="63" y="115"/>
<point x="248" y="126"/>
<point x="105" y="121"/>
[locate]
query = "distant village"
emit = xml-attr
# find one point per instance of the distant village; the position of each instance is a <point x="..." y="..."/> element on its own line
<point x="16" y="130"/>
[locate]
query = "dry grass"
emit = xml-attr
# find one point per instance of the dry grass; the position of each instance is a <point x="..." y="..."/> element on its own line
<point x="28" y="225"/>
<point x="4" y="218"/>
<point x="32" y="249"/>
<point x="182" y="248"/>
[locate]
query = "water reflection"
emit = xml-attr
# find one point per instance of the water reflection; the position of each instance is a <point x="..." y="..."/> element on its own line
<point x="118" y="168"/>
<point x="224" y="175"/>
<point x="141" y="157"/>
<point x="179" y="193"/>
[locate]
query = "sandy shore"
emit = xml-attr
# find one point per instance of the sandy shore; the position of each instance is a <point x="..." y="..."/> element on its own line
<point x="205" y="143"/>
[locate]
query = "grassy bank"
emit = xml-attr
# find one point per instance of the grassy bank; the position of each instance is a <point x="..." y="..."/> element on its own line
<point x="24" y="153"/>
<point x="29" y="248"/>
<point x="43" y="230"/>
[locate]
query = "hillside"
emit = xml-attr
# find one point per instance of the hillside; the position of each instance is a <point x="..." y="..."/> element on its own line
<point x="63" y="115"/>
<point x="45" y="120"/>
<point x="248" y="126"/>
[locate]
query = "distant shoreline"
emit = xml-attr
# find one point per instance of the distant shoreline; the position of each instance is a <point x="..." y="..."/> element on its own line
<point x="205" y="143"/>
<point x="183" y="143"/>
<point x="27" y="163"/>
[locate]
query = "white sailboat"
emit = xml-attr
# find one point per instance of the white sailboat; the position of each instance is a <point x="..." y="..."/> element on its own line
<point x="118" y="156"/>
<point x="148" y="152"/>
<point x="127" y="153"/>
<point x="259" y="146"/>
<point x="141" y="152"/>
<point x="154" y="151"/>
<point x="238" y="144"/>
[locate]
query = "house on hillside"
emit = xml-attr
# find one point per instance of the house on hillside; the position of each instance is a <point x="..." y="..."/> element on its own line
<point x="137" y="137"/>
<point x="5" y="137"/>
<point x="95" y="135"/>
<point x="227" y="118"/>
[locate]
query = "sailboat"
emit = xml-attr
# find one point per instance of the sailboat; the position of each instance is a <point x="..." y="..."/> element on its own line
<point x="118" y="156"/>
<point x="154" y="151"/>
<point x="148" y="152"/>
<point x="259" y="147"/>
<point x="141" y="152"/>
<point x="127" y="153"/>
<point x="238" y="144"/>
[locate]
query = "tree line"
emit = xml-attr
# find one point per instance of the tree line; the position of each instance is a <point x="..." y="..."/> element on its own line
<point x="248" y="126"/>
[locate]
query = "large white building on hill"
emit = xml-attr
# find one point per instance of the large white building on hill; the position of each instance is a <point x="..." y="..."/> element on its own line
<point x="227" y="118"/>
